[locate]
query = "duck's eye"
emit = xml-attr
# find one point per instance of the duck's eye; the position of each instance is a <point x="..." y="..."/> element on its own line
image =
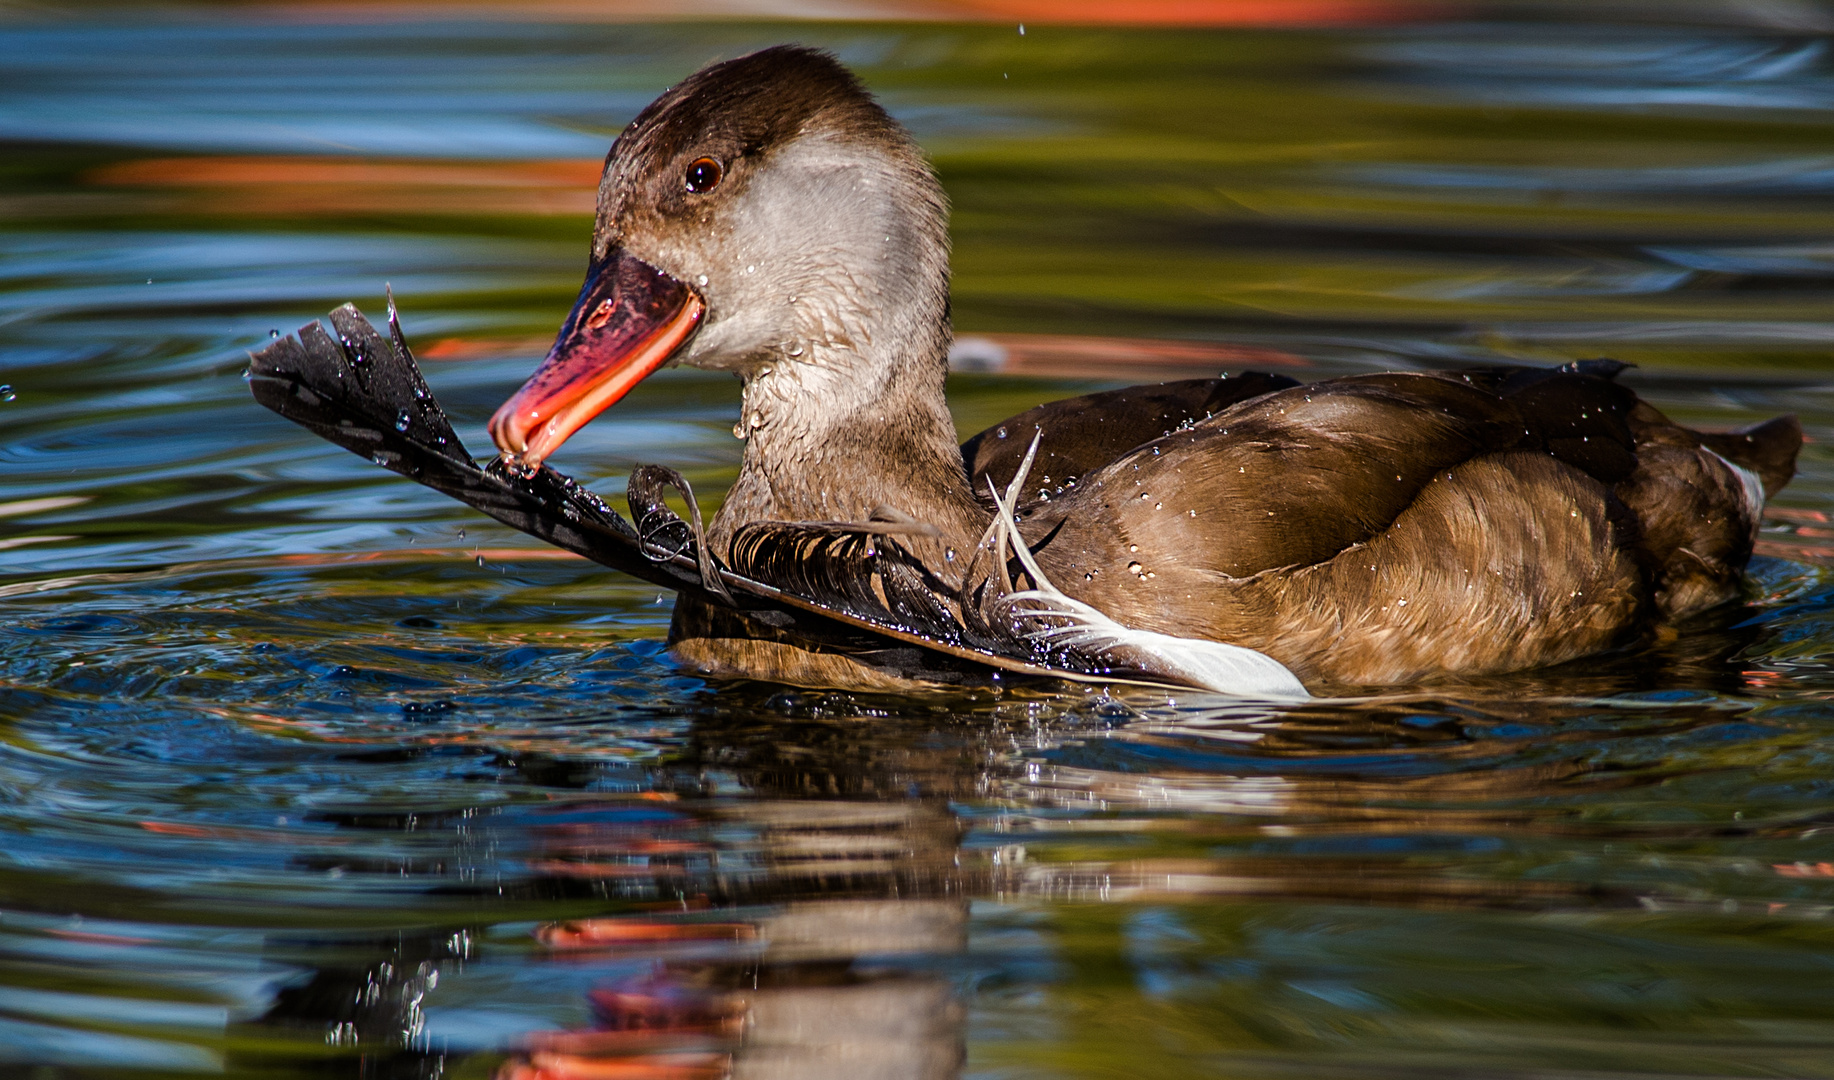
<point x="704" y="174"/>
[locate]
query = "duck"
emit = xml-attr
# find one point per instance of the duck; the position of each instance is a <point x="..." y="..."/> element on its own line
<point x="768" y="218"/>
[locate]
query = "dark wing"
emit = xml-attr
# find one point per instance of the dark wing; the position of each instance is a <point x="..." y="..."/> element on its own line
<point x="367" y="395"/>
<point x="860" y="572"/>
<point x="1288" y="479"/>
<point x="1082" y="434"/>
<point x="1576" y="412"/>
<point x="1294" y="477"/>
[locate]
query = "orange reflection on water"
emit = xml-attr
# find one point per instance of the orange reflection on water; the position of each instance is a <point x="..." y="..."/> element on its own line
<point x="1075" y="356"/>
<point x="1208" y="12"/>
<point x="1088" y="12"/>
<point x="1802" y="869"/>
<point x="341" y="185"/>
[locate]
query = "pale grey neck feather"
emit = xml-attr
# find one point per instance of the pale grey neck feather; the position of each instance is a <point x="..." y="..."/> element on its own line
<point x="827" y="286"/>
<point x="823" y="451"/>
<point x="834" y="243"/>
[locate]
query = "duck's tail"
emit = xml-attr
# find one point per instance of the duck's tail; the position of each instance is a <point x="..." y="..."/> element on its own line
<point x="1768" y="449"/>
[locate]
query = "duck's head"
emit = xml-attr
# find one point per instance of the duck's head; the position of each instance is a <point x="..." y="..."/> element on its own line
<point x="764" y="213"/>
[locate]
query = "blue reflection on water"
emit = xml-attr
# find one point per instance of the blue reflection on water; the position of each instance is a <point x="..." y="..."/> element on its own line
<point x="444" y="89"/>
<point x="1612" y="68"/>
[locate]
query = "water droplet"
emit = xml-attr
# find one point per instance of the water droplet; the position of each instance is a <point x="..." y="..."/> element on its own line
<point x="1000" y="434"/>
<point x="1089" y="576"/>
<point x="1133" y="547"/>
<point x="248" y="374"/>
<point x="461" y="534"/>
<point x="948" y="555"/>
<point x="480" y="560"/>
<point x="1146" y="495"/>
<point x="1158" y="506"/>
<point x="402" y="420"/>
<point x="701" y="281"/>
<point x="6" y="392"/>
<point x="796" y="350"/>
<point x="1021" y="29"/>
<point x="1134" y="568"/>
<point x="750" y="269"/>
<point x="273" y="333"/>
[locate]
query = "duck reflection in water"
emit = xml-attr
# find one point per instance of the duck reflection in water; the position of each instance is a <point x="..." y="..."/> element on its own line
<point x="775" y="935"/>
<point x="814" y="987"/>
<point x="808" y="927"/>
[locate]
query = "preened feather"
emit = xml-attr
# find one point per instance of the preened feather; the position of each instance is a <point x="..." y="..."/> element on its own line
<point x="367" y="395"/>
<point x="1064" y="625"/>
<point x="661" y="534"/>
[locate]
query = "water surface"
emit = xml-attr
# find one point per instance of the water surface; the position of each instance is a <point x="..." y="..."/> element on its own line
<point x="297" y="758"/>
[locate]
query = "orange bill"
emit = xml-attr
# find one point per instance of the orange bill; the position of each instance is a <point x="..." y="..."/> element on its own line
<point x="629" y="319"/>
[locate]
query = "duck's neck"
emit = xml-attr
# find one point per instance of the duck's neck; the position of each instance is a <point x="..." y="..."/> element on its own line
<point x="834" y="435"/>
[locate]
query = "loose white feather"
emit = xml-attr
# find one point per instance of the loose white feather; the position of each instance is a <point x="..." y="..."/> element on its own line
<point x="1074" y="625"/>
<point x="1754" y="487"/>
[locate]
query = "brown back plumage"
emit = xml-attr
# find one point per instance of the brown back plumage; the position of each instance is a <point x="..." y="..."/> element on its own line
<point x="1377" y="528"/>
